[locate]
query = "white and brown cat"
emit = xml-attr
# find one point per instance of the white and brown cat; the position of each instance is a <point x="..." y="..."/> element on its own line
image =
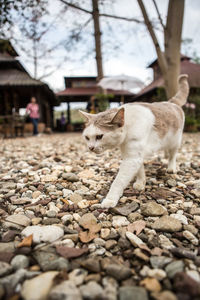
<point x="139" y="129"/>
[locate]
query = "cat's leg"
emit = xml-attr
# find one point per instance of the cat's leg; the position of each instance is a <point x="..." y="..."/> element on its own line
<point x="128" y="168"/>
<point x="140" y="179"/>
<point x="172" y="160"/>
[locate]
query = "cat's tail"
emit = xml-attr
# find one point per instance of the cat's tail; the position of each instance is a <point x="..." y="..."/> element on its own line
<point x="181" y="96"/>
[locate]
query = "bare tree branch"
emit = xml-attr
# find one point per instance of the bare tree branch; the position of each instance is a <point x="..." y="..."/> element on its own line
<point x="160" y="54"/>
<point x="159" y="15"/>
<point x="76" y="7"/>
<point x="102" y="15"/>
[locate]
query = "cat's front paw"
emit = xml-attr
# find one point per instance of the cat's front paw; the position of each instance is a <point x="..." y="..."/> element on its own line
<point x="107" y="203"/>
<point x="139" y="186"/>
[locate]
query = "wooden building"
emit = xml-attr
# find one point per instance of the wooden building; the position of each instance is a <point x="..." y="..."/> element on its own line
<point x="155" y="90"/>
<point x="81" y="89"/>
<point x="17" y="86"/>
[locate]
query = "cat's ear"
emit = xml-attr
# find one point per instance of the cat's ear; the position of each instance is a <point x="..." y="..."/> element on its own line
<point x="118" y="118"/>
<point x="88" y="117"/>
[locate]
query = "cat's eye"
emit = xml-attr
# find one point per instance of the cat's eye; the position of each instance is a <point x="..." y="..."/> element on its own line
<point x="87" y="138"/>
<point x="99" y="137"/>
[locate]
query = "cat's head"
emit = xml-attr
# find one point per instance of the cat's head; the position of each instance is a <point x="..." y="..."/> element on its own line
<point x="104" y="130"/>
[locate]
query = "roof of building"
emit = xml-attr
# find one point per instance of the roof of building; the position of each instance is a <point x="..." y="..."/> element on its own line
<point x="90" y="91"/>
<point x="187" y="67"/>
<point x="14" y="77"/>
<point x="155" y="62"/>
<point x="6" y="46"/>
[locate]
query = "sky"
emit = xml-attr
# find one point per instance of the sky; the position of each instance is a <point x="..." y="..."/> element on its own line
<point x="127" y="46"/>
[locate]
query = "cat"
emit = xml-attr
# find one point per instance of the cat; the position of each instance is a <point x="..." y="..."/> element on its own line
<point x="139" y="129"/>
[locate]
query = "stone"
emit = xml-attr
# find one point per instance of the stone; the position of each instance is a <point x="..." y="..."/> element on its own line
<point x="5" y="269"/>
<point x="135" y="241"/>
<point x="48" y="233"/>
<point x="165" y="295"/>
<point x="119" y="221"/>
<point x="190" y="237"/>
<point x="39" y="287"/>
<point x="17" y="221"/>
<point x="65" y="290"/>
<point x="71" y="177"/>
<point x="151" y="284"/>
<point x="180" y="217"/>
<point x="165" y="243"/>
<point x="152" y="209"/>
<point x="132" y="293"/>
<point x="159" y="274"/>
<point x="91" y="265"/>
<point x="119" y="272"/>
<point x="126" y="209"/>
<point x="20" y="261"/>
<point x="186" y="285"/>
<point x="174" y="267"/>
<point x="159" y="262"/>
<point x="50" y="261"/>
<point x="110" y="244"/>
<point x="78" y="276"/>
<point x="167" y="224"/>
<point x="92" y="290"/>
<point x="75" y="198"/>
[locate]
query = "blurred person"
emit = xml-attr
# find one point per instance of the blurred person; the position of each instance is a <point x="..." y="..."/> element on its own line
<point x="63" y="122"/>
<point x="32" y="110"/>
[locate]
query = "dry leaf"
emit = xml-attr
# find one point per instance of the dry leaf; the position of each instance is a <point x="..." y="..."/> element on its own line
<point x="151" y="284"/>
<point x="86" y="236"/>
<point x="137" y="226"/>
<point x="26" y="242"/>
<point x="70" y="252"/>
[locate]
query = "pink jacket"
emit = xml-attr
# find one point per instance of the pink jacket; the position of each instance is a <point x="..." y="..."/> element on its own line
<point x="33" y="110"/>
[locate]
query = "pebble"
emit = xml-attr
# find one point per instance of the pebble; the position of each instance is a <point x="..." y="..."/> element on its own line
<point x="92" y="290"/>
<point x="174" y="267"/>
<point x="20" y="261"/>
<point x="17" y="221"/>
<point x="132" y="293"/>
<point x="119" y="272"/>
<point x="5" y="269"/>
<point x="190" y="237"/>
<point x="168" y="224"/>
<point x="119" y="221"/>
<point x="152" y="209"/>
<point x="135" y="241"/>
<point x="39" y="287"/>
<point x="43" y="233"/>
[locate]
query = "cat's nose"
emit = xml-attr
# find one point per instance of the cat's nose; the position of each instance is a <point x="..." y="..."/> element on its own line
<point x="91" y="148"/>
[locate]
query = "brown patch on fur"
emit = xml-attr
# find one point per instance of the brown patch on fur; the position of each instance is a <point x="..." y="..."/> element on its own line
<point x="167" y="116"/>
<point x="108" y="120"/>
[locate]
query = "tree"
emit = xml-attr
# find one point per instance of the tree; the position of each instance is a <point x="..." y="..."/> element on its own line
<point x="169" y="59"/>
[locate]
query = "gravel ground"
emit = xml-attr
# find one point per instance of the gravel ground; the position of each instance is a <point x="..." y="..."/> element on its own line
<point x="57" y="243"/>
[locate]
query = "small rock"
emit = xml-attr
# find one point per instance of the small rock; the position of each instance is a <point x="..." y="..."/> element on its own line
<point x="168" y="224"/>
<point x="132" y="293"/>
<point x="92" y="290"/>
<point x="190" y="237"/>
<point x="151" y="284"/>
<point x="17" y="221"/>
<point x="186" y="285"/>
<point x="5" y="269"/>
<point x="159" y="261"/>
<point x="20" y="261"/>
<point x="42" y="284"/>
<point x="165" y="295"/>
<point x="171" y="182"/>
<point x="135" y="241"/>
<point x="119" y="221"/>
<point x="119" y="272"/>
<point x="126" y="209"/>
<point x="48" y="233"/>
<point x="78" y="276"/>
<point x="71" y="177"/>
<point x="174" y="267"/>
<point x="152" y="209"/>
<point x="91" y="265"/>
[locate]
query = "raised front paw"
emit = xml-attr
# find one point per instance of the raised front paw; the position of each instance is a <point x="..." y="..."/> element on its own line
<point x="139" y="186"/>
<point x="107" y="203"/>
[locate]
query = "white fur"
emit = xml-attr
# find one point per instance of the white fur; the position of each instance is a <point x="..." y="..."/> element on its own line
<point x="137" y="140"/>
